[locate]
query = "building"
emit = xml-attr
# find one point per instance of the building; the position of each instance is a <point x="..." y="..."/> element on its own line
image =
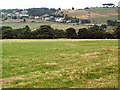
<point x="37" y="17"/>
<point x="98" y="24"/>
<point x="47" y="18"/>
<point x="68" y="21"/>
<point x="59" y="20"/>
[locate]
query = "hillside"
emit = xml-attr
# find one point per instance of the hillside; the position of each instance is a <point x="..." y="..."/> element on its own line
<point x="93" y="14"/>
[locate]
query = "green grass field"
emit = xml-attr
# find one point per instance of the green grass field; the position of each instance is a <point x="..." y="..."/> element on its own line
<point x="60" y="63"/>
<point x="99" y="9"/>
<point x="37" y="25"/>
<point x="103" y="20"/>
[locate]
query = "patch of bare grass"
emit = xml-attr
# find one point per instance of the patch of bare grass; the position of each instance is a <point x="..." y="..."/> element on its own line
<point x="51" y="64"/>
<point x="11" y="79"/>
<point x="92" y="55"/>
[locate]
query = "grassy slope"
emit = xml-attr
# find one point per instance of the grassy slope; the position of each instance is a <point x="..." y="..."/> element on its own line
<point x="80" y="63"/>
<point x="99" y="9"/>
<point x="37" y="25"/>
<point x="100" y="15"/>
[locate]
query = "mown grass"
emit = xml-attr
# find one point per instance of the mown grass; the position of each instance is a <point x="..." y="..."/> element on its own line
<point x="60" y="63"/>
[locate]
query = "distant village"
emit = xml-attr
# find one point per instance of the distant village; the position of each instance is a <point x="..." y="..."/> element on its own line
<point x="24" y="14"/>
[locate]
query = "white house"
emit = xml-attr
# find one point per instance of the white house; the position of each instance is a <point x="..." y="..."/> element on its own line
<point x="98" y="24"/>
<point x="68" y="21"/>
<point x="37" y="17"/>
<point x="59" y="20"/>
<point x="47" y="18"/>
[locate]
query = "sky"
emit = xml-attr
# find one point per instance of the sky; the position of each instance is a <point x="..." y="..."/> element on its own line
<point x="64" y="4"/>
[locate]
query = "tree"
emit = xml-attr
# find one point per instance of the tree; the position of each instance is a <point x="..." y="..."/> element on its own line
<point x="103" y="26"/>
<point x="87" y="8"/>
<point x="117" y="32"/>
<point x="96" y="32"/>
<point x="8" y="34"/>
<point x="71" y="33"/>
<point x="45" y="32"/>
<point x="40" y="11"/>
<point x="59" y="8"/>
<point x="14" y="17"/>
<point x="73" y="8"/>
<point x="112" y="23"/>
<point x="109" y="35"/>
<point x="20" y="33"/>
<point x="5" y="32"/>
<point x="85" y="21"/>
<point x="24" y="20"/>
<point x="59" y="33"/>
<point x="27" y="32"/>
<point x="66" y="17"/>
<point x="5" y="18"/>
<point x="83" y="33"/>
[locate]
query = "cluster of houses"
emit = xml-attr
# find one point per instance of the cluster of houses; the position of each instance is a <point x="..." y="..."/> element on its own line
<point x="24" y="13"/>
<point x="15" y="13"/>
<point x="45" y="18"/>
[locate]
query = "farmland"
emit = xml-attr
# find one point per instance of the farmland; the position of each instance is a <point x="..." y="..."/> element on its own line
<point x="98" y="15"/>
<point x="95" y="14"/>
<point x="60" y="63"/>
<point x="37" y="25"/>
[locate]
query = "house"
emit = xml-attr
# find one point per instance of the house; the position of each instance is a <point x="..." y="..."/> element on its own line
<point x="59" y="20"/>
<point x="68" y="21"/>
<point x="37" y="17"/>
<point x="31" y="17"/>
<point x="47" y="18"/>
<point x="24" y="12"/>
<point x="51" y="17"/>
<point x="90" y="24"/>
<point x="9" y="14"/>
<point x="98" y="24"/>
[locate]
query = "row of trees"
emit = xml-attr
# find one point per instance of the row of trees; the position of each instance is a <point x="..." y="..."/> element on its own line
<point x="40" y="11"/>
<point x="112" y="23"/>
<point x="47" y="32"/>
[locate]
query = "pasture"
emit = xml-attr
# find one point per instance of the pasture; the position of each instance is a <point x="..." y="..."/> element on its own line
<point x="35" y="25"/>
<point x="60" y="63"/>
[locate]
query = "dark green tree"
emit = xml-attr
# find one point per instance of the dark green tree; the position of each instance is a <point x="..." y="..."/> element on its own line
<point x="83" y="33"/>
<point x="96" y="32"/>
<point x="59" y="33"/>
<point x="45" y="32"/>
<point x="24" y="20"/>
<point x="8" y="34"/>
<point x="73" y="8"/>
<point x="5" y="27"/>
<point x="27" y="32"/>
<point x="59" y="8"/>
<point x="20" y="33"/>
<point x="117" y="32"/>
<point x="71" y="33"/>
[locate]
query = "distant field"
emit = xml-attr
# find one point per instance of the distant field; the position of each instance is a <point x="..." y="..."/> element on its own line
<point x="99" y="9"/>
<point x="98" y="13"/>
<point x="103" y="20"/>
<point x="16" y="25"/>
<point x="60" y="63"/>
<point x="37" y="25"/>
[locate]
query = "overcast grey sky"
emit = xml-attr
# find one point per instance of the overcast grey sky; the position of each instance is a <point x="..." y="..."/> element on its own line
<point x="64" y="4"/>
